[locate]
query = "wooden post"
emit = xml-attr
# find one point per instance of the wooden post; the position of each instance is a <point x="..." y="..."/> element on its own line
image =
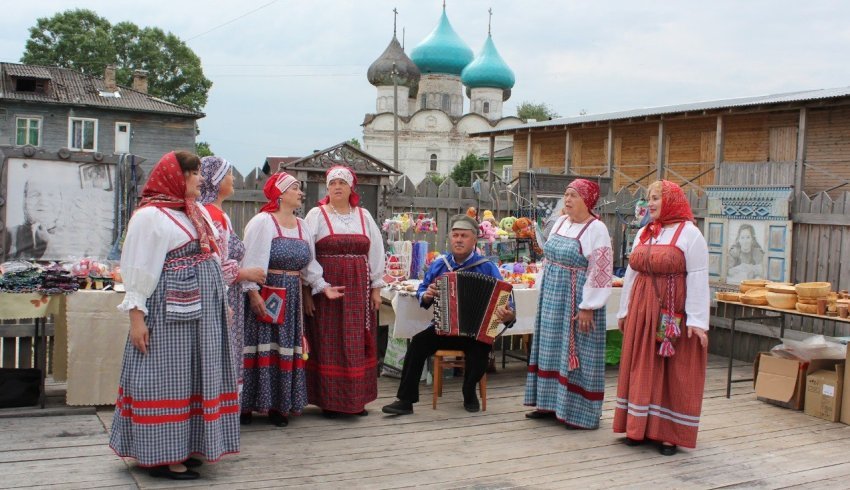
<point x="610" y="171"/>
<point x="719" y="141"/>
<point x="660" y="157"/>
<point x="568" y="153"/>
<point x="528" y="152"/>
<point x="490" y="161"/>
<point x="800" y="164"/>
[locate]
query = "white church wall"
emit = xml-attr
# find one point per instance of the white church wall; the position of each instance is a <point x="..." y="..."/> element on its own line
<point x="472" y="123"/>
<point x="384" y="101"/>
<point x="431" y="121"/>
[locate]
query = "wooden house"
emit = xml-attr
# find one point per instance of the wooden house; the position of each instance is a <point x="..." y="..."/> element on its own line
<point x="798" y="138"/>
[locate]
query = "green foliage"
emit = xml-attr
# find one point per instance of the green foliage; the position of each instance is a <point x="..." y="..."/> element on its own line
<point x="540" y="112"/>
<point x="461" y="173"/>
<point x="354" y="142"/>
<point x="437" y="179"/>
<point x="83" y="41"/>
<point x="202" y="149"/>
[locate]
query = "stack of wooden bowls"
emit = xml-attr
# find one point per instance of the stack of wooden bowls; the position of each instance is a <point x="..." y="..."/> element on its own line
<point x="781" y="295"/>
<point x="729" y="296"/>
<point x="808" y="294"/>
<point x="750" y="284"/>
<point x="755" y="297"/>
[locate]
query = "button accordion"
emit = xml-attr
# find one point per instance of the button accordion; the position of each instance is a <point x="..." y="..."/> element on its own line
<point x="466" y="305"/>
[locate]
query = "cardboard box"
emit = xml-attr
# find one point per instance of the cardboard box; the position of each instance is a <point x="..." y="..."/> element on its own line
<point x="823" y="393"/>
<point x="782" y="381"/>
<point x="845" y="396"/>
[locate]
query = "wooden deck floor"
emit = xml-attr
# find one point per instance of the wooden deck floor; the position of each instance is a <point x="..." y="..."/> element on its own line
<point x="742" y="443"/>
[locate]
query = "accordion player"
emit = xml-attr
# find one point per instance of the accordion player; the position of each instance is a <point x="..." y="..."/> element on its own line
<point x="467" y="304"/>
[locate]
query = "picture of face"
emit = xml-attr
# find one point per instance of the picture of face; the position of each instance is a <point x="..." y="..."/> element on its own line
<point x="746" y="255"/>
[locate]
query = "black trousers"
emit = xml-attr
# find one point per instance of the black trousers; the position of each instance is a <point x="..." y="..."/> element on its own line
<point x="424" y="344"/>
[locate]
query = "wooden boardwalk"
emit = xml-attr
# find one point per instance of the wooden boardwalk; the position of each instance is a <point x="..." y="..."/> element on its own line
<point x="742" y="443"/>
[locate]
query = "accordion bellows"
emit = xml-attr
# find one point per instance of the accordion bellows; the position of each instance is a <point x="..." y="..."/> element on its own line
<point x="467" y="303"/>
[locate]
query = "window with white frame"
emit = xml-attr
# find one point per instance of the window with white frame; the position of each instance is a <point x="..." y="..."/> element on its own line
<point x="82" y="134"/>
<point x="28" y="131"/>
<point x="433" y="162"/>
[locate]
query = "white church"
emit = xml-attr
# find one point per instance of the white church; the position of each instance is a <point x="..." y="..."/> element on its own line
<point x="434" y="119"/>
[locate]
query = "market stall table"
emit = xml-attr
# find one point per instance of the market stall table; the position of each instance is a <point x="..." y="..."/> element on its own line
<point x="762" y="315"/>
<point x="21" y="306"/>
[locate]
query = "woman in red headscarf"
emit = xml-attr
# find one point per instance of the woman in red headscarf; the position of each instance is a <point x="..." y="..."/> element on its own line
<point x="342" y="370"/>
<point x="566" y="368"/>
<point x="177" y="394"/>
<point x="663" y="314"/>
<point x="280" y="244"/>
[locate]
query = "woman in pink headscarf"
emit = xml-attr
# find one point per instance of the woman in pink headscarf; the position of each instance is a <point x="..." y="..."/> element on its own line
<point x="281" y="245"/>
<point x="342" y="370"/>
<point x="566" y="369"/>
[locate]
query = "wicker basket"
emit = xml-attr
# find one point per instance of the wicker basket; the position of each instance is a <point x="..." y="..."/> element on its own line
<point x="813" y="289"/>
<point x="756" y="297"/>
<point x="812" y="309"/>
<point x="783" y="301"/>
<point x="775" y="287"/>
<point x="728" y="296"/>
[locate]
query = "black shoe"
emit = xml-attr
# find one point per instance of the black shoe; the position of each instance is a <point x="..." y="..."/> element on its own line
<point x="668" y="450"/>
<point x="278" y="419"/>
<point x="470" y="403"/>
<point x="539" y="414"/>
<point x="192" y="463"/>
<point x="633" y="442"/>
<point x="329" y="414"/>
<point x="398" y="407"/>
<point x="362" y="413"/>
<point x="165" y="472"/>
<point x="245" y="419"/>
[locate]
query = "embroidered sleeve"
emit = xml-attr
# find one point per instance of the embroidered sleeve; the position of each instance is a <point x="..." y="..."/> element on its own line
<point x="600" y="263"/>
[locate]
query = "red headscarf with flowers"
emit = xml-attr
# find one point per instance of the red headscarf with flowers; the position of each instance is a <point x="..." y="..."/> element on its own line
<point x="675" y="208"/>
<point x="276" y="185"/>
<point x="344" y="173"/>
<point x="166" y="188"/>
<point x="589" y="192"/>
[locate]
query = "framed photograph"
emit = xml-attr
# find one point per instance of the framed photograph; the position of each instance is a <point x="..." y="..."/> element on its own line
<point x="715" y="264"/>
<point x="776" y="238"/>
<point x="95" y="176"/>
<point x="715" y="234"/>
<point x="745" y="255"/>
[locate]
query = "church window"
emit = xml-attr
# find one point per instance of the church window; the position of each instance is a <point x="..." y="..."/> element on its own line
<point x="486" y="107"/>
<point x="423" y="101"/>
<point x="433" y="162"/>
<point x="446" y="102"/>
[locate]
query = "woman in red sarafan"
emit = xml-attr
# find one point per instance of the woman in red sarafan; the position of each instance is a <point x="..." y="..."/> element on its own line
<point x="342" y="368"/>
<point x="663" y="363"/>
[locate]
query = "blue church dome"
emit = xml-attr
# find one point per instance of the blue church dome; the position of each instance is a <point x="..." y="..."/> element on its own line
<point x="488" y="69"/>
<point x="443" y="51"/>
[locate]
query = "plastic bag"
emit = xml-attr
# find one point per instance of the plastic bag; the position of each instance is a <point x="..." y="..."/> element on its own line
<point x="814" y="347"/>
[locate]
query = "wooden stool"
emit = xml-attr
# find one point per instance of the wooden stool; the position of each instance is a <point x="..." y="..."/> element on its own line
<point x="458" y="362"/>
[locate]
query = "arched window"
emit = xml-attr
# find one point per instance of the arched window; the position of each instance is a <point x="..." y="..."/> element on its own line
<point x="447" y="103"/>
<point x="486" y="107"/>
<point x="423" y="100"/>
<point x="433" y="162"/>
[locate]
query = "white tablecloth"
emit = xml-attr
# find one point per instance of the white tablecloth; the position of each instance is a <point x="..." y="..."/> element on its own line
<point x="410" y="318"/>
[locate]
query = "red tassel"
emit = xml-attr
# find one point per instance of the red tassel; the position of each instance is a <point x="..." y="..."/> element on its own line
<point x="666" y="349"/>
<point x="573" y="362"/>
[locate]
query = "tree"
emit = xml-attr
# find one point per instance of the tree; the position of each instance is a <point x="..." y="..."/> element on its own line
<point x="539" y="112"/>
<point x="354" y="142"/>
<point x="437" y="179"/>
<point x="83" y="41"/>
<point x="461" y="174"/>
<point x="202" y="149"/>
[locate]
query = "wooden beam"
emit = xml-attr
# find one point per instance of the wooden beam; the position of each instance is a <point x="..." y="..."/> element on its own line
<point x="821" y="219"/>
<point x="660" y="157"/>
<point x="719" y="144"/>
<point x="568" y="153"/>
<point x="800" y="162"/>
<point x="610" y="170"/>
<point x="528" y="152"/>
<point x="490" y="162"/>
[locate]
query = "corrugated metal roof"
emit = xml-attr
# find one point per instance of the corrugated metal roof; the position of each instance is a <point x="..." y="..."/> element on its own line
<point x="29" y="71"/>
<point x="74" y="88"/>
<point x="787" y="97"/>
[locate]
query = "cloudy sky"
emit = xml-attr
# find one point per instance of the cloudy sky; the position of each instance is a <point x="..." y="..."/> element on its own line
<point x="290" y="76"/>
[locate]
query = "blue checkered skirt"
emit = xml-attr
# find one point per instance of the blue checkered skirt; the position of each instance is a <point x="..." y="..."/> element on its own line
<point x="574" y="396"/>
<point x="180" y="399"/>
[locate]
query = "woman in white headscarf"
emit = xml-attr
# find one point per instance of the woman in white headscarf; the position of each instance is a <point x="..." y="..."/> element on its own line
<point x="342" y="370"/>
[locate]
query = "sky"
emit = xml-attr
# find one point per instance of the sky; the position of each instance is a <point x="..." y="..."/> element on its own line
<point x="289" y="77"/>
